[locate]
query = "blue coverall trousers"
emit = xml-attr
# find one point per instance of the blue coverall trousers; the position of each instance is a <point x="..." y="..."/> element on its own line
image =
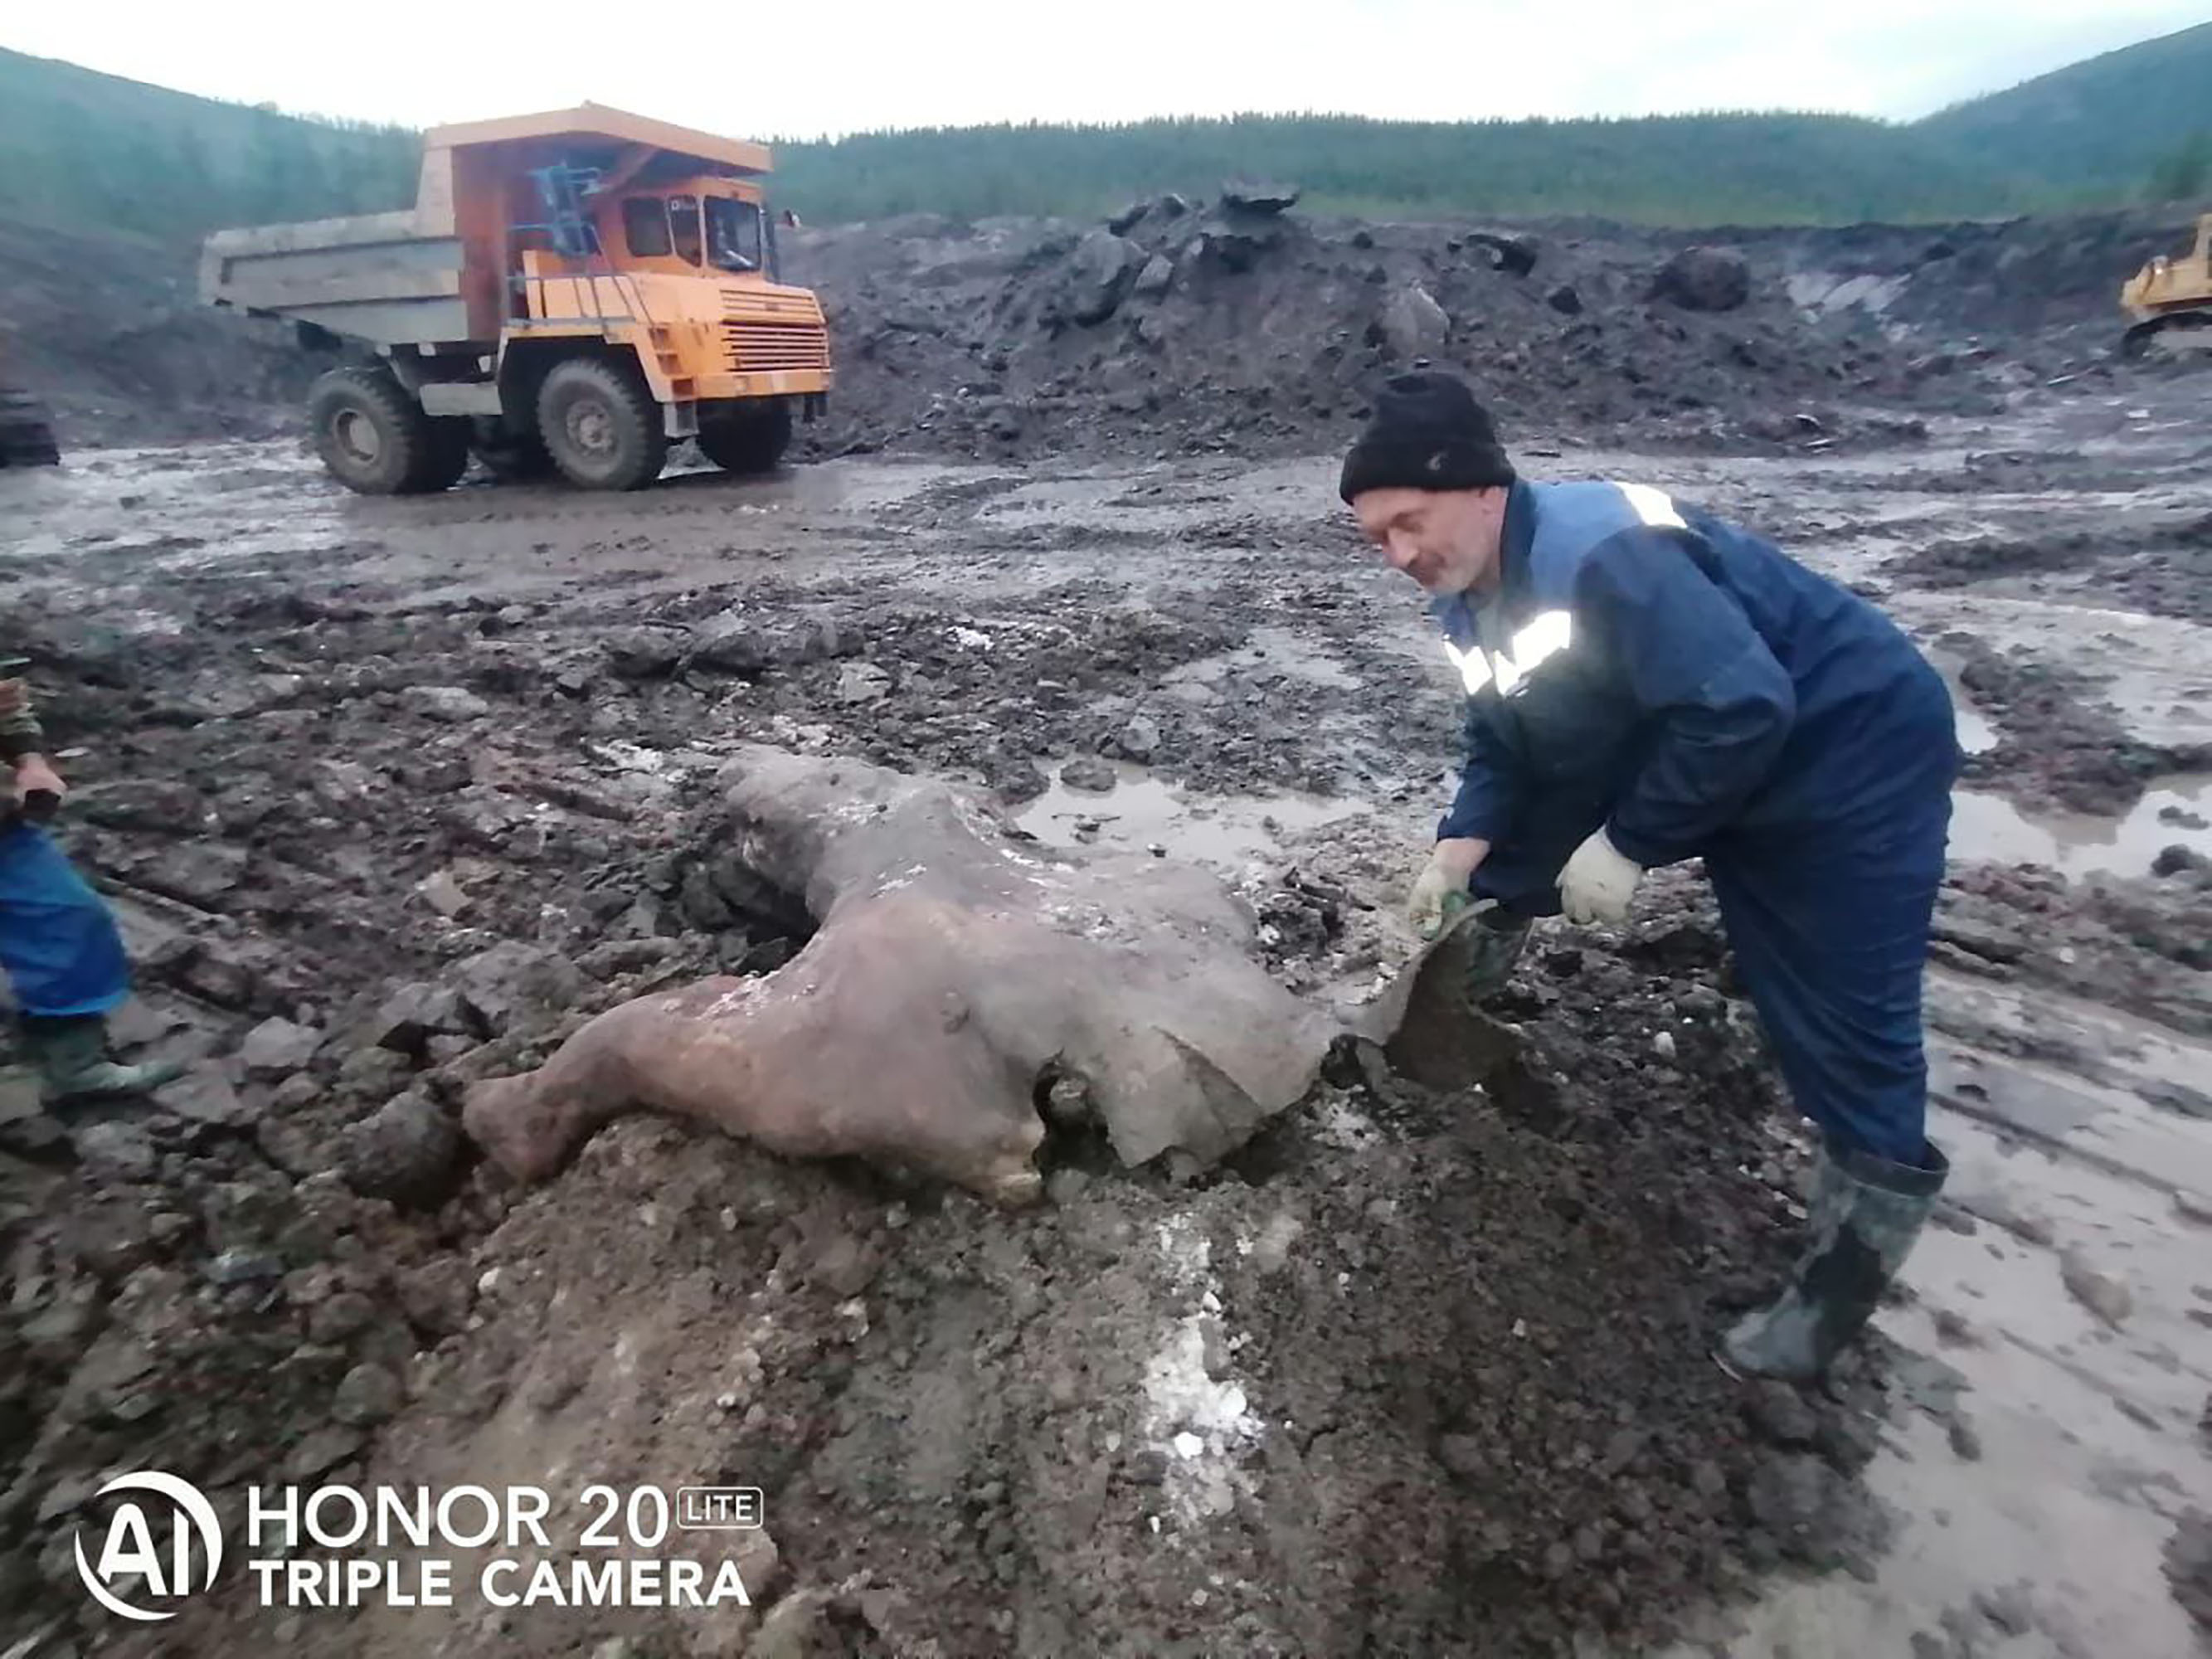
<point x="1829" y="921"/>
<point x="58" y="937"/>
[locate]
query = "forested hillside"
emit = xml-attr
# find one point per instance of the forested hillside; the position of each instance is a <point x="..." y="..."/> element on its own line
<point x="2134" y="122"/>
<point x="89" y="152"/>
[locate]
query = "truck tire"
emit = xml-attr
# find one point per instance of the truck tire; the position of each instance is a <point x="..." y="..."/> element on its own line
<point x="751" y="438"/>
<point x="600" y="425"/>
<point x="375" y="438"/>
<point x="510" y="457"/>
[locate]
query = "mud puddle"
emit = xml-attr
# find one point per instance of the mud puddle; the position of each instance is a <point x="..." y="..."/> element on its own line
<point x="1978" y="735"/>
<point x="2042" y="1451"/>
<point x="1987" y="826"/>
<point x="1165" y="500"/>
<point x="1142" y="812"/>
<point x="2154" y="672"/>
<point x="1276" y="650"/>
<point x="168" y="511"/>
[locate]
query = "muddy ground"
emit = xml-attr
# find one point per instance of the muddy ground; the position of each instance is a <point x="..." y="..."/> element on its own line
<point x="392" y="794"/>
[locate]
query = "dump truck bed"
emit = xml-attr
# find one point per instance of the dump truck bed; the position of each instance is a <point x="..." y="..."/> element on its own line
<point x="374" y="276"/>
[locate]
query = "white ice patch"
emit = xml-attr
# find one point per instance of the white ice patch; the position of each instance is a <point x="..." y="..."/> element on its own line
<point x="1344" y="1128"/>
<point x="636" y="757"/>
<point x="974" y="639"/>
<point x="1200" y="1420"/>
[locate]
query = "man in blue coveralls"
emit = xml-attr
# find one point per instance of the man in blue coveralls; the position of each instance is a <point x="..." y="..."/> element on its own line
<point x="1647" y="685"/>
<point x="58" y="941"/>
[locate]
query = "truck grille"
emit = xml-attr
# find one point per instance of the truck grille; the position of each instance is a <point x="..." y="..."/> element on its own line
<point x="754" y="348"/>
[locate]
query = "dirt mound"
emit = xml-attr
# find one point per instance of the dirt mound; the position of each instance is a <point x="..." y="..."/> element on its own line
<point x="1411" y="1373"/>
<point x="1414" y="1373"/>
<point x="2054" y="278"/>
<point x="2109" y="937"/>
<point x="110" y="333"/>
<point x="1245" y="325"/>
<point x="1266" y="330"/>
<point x="2055" y="744"/>
<point x="2164" y="568"/>
<point x="1340" y="1398"/>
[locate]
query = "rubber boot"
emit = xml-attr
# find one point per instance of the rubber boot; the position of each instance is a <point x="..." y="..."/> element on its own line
<point x="1493" y="942"/>
<point x="70" y="1056"/>
<point x="1865" y="1213"/>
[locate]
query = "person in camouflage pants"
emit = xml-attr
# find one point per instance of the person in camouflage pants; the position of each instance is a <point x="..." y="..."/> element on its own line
<point x="58" y="941"/>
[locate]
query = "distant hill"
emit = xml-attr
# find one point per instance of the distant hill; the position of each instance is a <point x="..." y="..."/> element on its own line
<point x="2103" y="129"/>
<point x="92" y="152"/>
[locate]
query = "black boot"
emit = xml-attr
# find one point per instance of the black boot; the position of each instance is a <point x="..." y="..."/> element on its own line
<point x="70" y="1055"/>
<point x="1865" y="1213"/>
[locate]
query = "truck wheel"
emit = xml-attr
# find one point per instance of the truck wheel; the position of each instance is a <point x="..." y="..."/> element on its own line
<point x="752" y="438"/>
<point x="374" y="437"/>
<point x="600" y="425"/>
<point x="510" y="457"/>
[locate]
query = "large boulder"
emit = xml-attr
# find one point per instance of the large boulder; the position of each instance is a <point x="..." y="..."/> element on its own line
<point x="412" y="1015"/>
<point x="1704" y="279"/>
<point x="1514" y="255"/>
<point x="644" y="654"/>
<point x="513" y="986"/>
<point x="739" y="641"/>
<point x="1100" y="273"/>
<point x="277" y="1048"/>
<point x="408" y="1150"/>
<point x="1237" y="242"/>
<point x="1251" y="195"/>
<point x="1414" y="325"/>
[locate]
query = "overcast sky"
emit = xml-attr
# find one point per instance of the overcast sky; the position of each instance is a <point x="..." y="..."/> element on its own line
<point x="866" y="63"/>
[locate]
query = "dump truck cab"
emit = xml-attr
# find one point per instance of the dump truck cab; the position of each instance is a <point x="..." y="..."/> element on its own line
<point x="578" y="289"/>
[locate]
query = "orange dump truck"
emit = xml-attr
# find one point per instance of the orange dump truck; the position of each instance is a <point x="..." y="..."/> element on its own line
<point x="574" y="291"/>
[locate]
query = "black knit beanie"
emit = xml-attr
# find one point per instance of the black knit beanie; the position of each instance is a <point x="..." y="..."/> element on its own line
<point x="1427" y="432"/>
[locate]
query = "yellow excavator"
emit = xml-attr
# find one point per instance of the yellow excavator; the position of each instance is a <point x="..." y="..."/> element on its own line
<point x="2171" y="300"/>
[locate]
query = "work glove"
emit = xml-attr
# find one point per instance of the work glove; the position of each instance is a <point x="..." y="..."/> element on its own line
<point x="1440" y="892"/>
<point x="1598" y="882"/>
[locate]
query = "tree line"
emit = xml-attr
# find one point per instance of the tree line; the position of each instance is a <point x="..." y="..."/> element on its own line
<point x="88" y="151"/>
<point x="1721" y="168"/>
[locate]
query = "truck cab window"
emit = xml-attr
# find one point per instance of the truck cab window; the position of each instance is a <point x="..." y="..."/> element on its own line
<point x="684" y="225"/>
<point x="645" y="227"/>
<point x="733" y="233"/>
